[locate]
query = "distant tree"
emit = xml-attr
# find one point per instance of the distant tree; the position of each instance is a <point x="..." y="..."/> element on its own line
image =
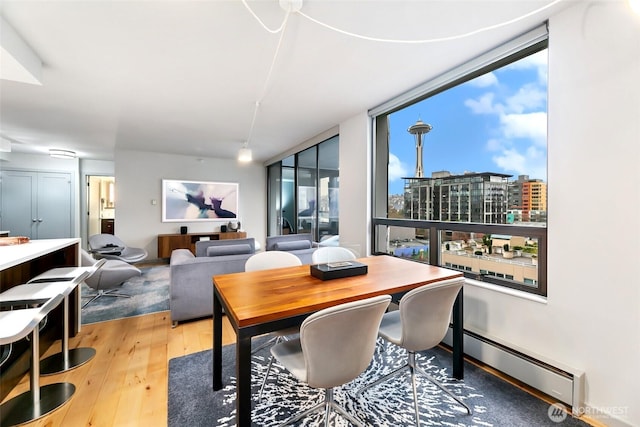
<point x="486" y="240"/>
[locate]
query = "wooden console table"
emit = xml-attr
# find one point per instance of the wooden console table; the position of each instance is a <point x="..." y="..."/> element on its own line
<point x="168" y="242"/>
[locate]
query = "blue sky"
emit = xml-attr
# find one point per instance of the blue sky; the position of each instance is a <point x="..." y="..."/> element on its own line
<point x="494" y="123"/>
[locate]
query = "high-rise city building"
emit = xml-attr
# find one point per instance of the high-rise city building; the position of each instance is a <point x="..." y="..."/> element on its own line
<point x="527" y="200"/>
<point x="471" y="197"/>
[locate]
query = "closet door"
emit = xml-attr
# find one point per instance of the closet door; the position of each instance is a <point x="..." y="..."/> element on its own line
<point x="36" y="204"/>
<point x="54" y="205"/>
<point x="18" y="215"/>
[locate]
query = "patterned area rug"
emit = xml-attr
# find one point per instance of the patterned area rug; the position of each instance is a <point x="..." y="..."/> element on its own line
<point x="494" y="402"/>
<point x="148" y="292"/>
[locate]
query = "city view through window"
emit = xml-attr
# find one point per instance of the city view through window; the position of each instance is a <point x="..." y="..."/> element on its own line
<point x="474" y="154"/>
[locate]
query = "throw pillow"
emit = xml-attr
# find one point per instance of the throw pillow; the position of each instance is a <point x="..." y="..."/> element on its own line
<point x="229" y="250"/>
<point x="293" y="245"/>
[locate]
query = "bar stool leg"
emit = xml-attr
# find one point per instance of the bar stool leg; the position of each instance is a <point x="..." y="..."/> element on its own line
<point x="66" y="359"/>
<point x="38" y="401"/>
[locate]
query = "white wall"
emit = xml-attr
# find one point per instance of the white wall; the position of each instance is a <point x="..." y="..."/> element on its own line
<point x="590" y="320"/>
<point x="355" y="187"/>
<point x="139" y="178"/>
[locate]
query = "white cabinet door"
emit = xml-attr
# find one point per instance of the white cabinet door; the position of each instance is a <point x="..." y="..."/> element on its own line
<point x="18" y="213"/>
<point x="36" y="204"/>
<point x="54" y="205"/>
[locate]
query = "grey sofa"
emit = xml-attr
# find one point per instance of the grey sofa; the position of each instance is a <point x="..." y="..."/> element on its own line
<point x="191" y="286"/>
<point x="301" y="245"/>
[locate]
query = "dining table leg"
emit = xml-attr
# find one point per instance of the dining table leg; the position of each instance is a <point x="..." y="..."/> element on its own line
<point x="217" y="343"/>
<point x="243" y="385"/>
<point x="458" y="337"/>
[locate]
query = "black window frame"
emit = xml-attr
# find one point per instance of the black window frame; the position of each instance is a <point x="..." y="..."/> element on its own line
<point x="519" y="48"/>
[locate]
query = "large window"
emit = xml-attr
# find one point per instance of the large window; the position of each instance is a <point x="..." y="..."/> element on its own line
<point x="303" y="192"/>
<point x="460" y="172"/>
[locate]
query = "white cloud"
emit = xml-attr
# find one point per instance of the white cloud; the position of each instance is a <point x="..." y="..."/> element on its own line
<point x="494" y="145"/>
<point x="531" y="163"/>
<point x="532" y="126"/>
<point x="485" y="80"/>
<point x="534" y="153"/>
<point x="396" y="169"/>
<point x="511" y="160"/>
<point x="528" y="98"/>
<point x="482" y="105"/>
<point x="521" y="148"/>
<point x="518" y="141"/>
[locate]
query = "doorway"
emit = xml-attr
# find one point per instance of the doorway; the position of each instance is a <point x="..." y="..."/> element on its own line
<point x="101" y="205"/>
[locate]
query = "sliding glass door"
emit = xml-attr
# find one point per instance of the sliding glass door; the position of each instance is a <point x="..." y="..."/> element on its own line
<point x="281" y="197"/>
<point x="307" y="191"/>
<point x="303" y="192"/>
<point x="328" y="188"/>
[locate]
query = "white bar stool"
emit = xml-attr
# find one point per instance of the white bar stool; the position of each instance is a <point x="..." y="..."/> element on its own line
<point x="46" y="289"/>
<point x="67" y="359"/>
<point x="38" y="401"/>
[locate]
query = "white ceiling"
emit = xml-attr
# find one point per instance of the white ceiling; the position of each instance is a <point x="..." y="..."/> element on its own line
<point x="184" y="76"/>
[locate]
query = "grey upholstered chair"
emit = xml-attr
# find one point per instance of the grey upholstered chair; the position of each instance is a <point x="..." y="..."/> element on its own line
<point x="420" y="324"/>
<point x="266" y="261"/>
<point x="335" y="346"/>
<point x="108" y="278"/>
<point x="327" y="254"/>
<point x="110" y="247"/>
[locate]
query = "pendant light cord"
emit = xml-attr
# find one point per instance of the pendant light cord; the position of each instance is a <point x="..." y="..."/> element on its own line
<point x="384" y="40"/>
<point x="282" y="31"/>
<point x="283" y="27"/>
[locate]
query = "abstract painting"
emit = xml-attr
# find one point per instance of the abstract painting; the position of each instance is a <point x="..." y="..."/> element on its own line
<point x="190" y="201"/>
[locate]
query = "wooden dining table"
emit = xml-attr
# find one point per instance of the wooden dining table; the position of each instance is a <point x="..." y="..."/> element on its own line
<point x="264" y="301"/>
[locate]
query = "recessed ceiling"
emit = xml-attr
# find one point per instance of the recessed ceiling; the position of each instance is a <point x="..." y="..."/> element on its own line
<point x="184" y="77"/>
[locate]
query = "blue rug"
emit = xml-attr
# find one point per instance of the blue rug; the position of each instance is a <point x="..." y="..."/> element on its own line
<point x="495" y="402"/>
<point x="149" y="294"/>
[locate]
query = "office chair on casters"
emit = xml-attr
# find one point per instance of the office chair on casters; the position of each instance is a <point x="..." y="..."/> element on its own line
<point x="265" y="261"/>
<point x="329" y="354"/>
<point x="420" y="324"/>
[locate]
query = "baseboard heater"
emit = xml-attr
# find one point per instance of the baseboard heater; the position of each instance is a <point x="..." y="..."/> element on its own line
<point x="558" y="381"/>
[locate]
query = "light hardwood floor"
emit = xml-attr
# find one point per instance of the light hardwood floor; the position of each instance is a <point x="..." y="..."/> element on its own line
<point x="125" y="384"/>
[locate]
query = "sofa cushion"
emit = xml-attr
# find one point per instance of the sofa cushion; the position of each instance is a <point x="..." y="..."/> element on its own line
<point x="229" y="250"/>
<point x="202" y="245"/>
<point x="292" y="245"/>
